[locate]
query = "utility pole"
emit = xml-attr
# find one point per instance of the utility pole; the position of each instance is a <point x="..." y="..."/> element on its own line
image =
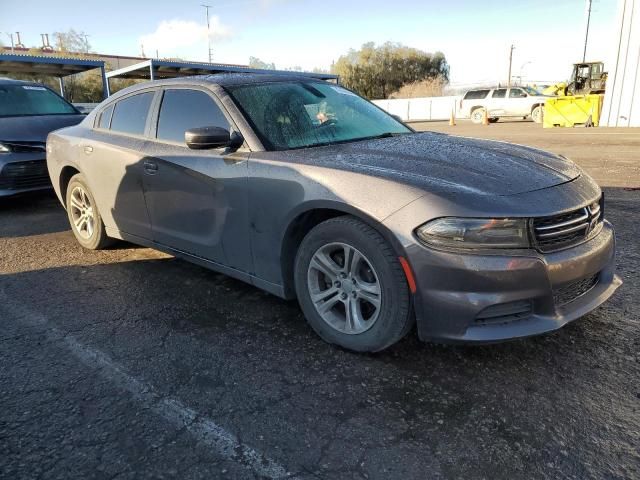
<point x="10" y="35"/>
<point x="586" y="35"/>
<point x="510" y="62"/>
<point x="207" y="7"/>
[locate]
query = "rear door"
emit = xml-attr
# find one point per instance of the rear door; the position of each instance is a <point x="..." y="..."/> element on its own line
<point x="197" y="199"/>
<point x="113" y="151"/>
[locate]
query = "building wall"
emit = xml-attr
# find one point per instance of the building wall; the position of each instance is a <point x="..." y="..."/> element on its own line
<point x="622" y="96"/>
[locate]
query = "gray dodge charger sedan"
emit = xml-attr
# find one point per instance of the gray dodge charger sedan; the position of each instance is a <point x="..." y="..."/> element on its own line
<point x="308" y="191"/>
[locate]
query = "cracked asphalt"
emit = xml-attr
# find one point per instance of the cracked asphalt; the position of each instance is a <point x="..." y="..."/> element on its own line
<point x="129" y="364"/>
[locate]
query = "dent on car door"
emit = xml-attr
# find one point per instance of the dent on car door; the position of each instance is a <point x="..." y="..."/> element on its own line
<point x="197" y="199"/>
<point x="113" y="154"/>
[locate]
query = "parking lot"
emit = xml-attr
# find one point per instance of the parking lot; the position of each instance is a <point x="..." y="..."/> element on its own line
<point x="610" y="155"/>
<point x="128" y="363"/>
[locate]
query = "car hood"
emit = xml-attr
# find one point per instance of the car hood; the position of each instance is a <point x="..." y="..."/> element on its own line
<point x="34" y="128"/>
<point x="439" y="162"/>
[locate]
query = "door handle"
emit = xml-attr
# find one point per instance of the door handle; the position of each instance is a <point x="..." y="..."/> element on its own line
<point x="88" y="149"/>
<point x="150" y="167"/>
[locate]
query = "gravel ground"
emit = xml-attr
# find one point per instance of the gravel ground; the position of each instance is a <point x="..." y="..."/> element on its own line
<point x="129" y="364"/>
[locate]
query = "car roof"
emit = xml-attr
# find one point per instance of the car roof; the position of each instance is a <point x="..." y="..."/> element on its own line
<point x="231" y="79"/>
<point x="12" y="81"/>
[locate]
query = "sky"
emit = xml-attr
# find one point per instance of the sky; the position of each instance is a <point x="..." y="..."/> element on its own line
<point x="474" y="35"/>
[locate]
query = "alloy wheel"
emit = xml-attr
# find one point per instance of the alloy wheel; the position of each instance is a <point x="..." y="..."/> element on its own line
<point x="344" y="288"/>
<point x="82" y="212"/>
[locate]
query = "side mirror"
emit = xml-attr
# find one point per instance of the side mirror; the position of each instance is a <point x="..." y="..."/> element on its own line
<point x="205" y="138"/>
<point x="398" y="118"/>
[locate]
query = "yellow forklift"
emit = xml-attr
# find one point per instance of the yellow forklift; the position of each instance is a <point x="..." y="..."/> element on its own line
<point x="578" y="102"/>
<point x="586" y="78"/>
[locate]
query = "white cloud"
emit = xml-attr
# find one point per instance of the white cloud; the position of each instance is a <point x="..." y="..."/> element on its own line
<point x="174" y="37"/>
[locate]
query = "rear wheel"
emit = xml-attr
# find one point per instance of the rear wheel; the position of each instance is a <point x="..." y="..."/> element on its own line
<point x="351" y="286"/>
<point x="536" y="114"/>
<point x="477" y="115"/>
<point x="84" y="217"/>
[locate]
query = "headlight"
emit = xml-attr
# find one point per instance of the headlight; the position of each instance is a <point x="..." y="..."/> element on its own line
<point x="4" y="148"/>
<point x="475" y="232"/>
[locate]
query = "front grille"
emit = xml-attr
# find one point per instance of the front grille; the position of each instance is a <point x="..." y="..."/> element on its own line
<point x="567" y="229"/>
<point x="26" y="147"/>
<point x="505" y="312"/>
<point x="23" y="175"/>
<point x="571" y="291"/>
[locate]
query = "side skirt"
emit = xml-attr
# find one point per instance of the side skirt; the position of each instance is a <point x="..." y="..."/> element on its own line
<point x="273" y="288"/>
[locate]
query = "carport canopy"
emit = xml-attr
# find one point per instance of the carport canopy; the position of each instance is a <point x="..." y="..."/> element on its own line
<point x="54" y="66"/>
<point x="153" y="69"/>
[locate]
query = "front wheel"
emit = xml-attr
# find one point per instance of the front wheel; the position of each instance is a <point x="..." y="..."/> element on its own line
<point x="536" y="114"/>
<point x="351" y="286"/>
<point x="84" y="217"/>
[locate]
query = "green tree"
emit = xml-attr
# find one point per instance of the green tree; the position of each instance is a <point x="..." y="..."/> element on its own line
<point x="255" y="62"/>
<point x="377" y="71"/>
<point x="72" y="41"/>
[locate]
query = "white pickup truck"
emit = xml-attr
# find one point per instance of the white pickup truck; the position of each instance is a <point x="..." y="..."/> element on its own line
<point x="501" y="102"/>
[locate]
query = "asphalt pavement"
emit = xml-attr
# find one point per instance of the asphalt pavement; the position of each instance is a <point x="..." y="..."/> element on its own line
<point x="130" y="364"/>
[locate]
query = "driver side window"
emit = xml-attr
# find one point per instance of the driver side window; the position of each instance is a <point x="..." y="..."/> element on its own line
<point x="182" y="109"/>
<point x="516" y="93"/>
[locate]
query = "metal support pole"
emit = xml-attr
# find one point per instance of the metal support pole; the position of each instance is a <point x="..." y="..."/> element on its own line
<point x="151" y="73"/>
<point x="510" y="62"/>
<point x="61" y="83"/>
<point x="586" y="35"/>
<point x="105" y="83"/>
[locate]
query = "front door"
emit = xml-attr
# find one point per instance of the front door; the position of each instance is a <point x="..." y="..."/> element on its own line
<point x="518" y="102"/>
<point x="197" y="199"/>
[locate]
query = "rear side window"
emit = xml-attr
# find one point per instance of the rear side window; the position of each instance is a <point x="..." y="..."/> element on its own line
<point x="105" y="117"/>
<point x="184" y="109"/>
<point x="499" y="93"/>
<point x="130" y="114"/>
<point x="476" y="94"/>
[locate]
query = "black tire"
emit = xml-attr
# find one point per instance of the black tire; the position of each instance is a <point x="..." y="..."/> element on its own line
<point x="98" y="238"/>
<point x="395" y="317"/>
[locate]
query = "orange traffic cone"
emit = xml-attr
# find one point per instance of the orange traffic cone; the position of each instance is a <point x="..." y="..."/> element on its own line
<point x="452" y="118"/>
<point x="485" y="117"/>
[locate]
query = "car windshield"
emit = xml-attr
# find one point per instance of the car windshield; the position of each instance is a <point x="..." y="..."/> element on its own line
<point x="27" y="100"/>
<point x="288" y="115"/>
<point x="532" y="91"/>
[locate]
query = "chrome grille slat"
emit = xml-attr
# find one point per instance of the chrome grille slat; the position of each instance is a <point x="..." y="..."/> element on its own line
<point x="562" y="231"/>
<point x="563" y="224"/>
<point x="566" y="229"/>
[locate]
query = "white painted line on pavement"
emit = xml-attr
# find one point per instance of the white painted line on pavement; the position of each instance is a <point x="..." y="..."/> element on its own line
<point x="172" y="410"/>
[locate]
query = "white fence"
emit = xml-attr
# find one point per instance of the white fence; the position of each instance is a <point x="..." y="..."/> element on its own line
<point x="421" y="109"/>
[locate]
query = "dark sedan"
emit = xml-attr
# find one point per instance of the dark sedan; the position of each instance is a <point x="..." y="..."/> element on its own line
<point x="28" y="113"/>
<point x="308" y="191"/>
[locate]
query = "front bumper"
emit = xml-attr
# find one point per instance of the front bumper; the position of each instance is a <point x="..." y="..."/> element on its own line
<point x="23" y="172"/>
<point x="456" y="291"/>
